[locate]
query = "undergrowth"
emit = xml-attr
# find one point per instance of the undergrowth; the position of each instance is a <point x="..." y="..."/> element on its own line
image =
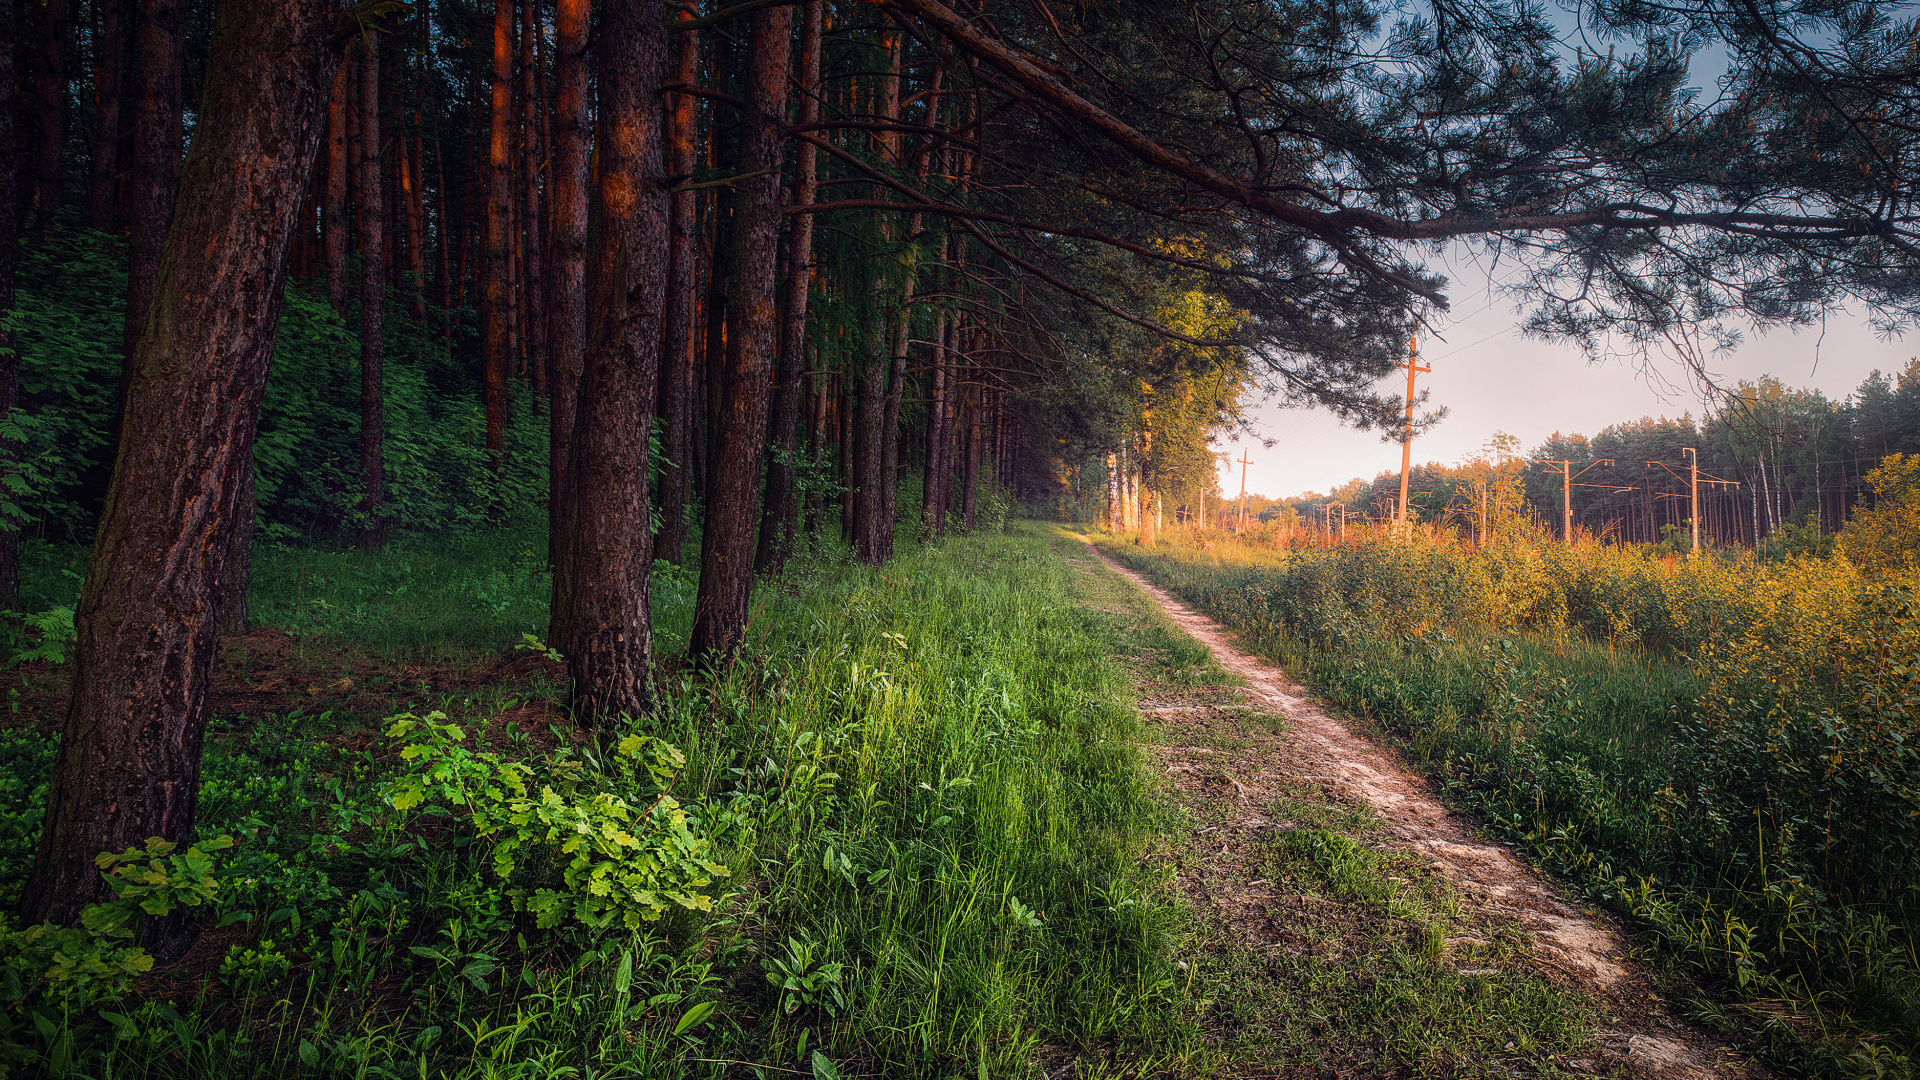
<point x="1725" y="750"/>
<point x="901" y="836"/>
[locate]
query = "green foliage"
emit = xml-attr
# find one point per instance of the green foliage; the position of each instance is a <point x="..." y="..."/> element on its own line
<point x="47" y="634"/>
<point x="69" y="314"/>
<point x="1721" y="748"/>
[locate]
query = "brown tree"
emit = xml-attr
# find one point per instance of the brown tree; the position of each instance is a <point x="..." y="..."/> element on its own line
<point x="9" y="356"/>
<point x="129" y="760"/>
<point x="678" y="356"/>
<point x="157" y="59"/>
<point x="609" y="641"/>
<point x="733" y="500"/>
<point x="567" y="304"/>
<point x="110" y="38"/>
<point x="497" y="306"/>
<point x="782" y="510"/>
<point x="47" y="73"/>
<point x="370" y="202"/>
<point x="334" y="220"/>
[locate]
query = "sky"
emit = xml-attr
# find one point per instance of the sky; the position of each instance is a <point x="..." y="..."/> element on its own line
<point x="1492" y="378"/>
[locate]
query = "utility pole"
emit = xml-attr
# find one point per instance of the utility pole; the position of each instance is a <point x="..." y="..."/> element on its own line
<point x="1567" y="478"/>
<point x="1693" y="482"/>
<point x="1243" y="490"/>
<point x="1406" y="444"/>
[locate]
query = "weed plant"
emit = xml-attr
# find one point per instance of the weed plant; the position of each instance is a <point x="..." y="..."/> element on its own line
<point x="901" y="835"/>
<point x="1724" y="749"/>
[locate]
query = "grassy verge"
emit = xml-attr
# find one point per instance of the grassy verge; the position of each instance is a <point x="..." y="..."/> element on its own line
<point x="1696" y="794"/>
<point x="1314" y="944"/>
<point x="903" y="836"/>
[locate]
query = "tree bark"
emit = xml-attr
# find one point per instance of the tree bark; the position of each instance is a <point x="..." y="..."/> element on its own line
<point x="567" y="306"/>
<point x="532" y="264"/>
<point x="970" y="482"/>
<point x="9" y="271"/>
<point x="158" y="57"/>
<point x="733" y="500"/>
<point x="932" y="508"/>
<point x="496" y="332"/>
<point x="870" y="449"/>
<point x="890" y="427"/>
<point x="411" y="159"/>
<point x="48" y="75"/>
<point x="335" y="222"/>
<point x="369" y="200"/>
<point x="610" y="641"/>
<point x="678" y="355"/>
<point x="129" y="759"/>
<point x="782" y="511"/>
<point x="109" y="81"/>
<point x="237" y="576"/>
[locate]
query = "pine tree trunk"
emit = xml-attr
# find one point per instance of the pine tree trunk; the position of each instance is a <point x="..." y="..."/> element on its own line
<point x="129" y="759"/>
<point x="677" y="357"/>
<point x="335" y="221"/>
<point x="890" y="427"/>
<point x="532" y="161"/>
<point x="158" y="56"/>
<point x="970" y="490"/>
<point x="47" y="74"/>
<point x="368" y="198"/>
<point x="609" y="639"/>
<point x="932" y="511"/>
<point x="9" y="270"/>
<point x="237" y="576"/>
<point x="870" y="448"/>
<point x="567" y="306"/>
<point x="109" y="79"/>
<point x="410" y="185"/>
<point x="782" y="508"/>
<point x="733" y="500"/>
<point x="496" y="333"/>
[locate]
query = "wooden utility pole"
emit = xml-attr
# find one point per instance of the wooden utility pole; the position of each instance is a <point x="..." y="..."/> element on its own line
<point x="1406" y="444"/>
<point x="1693" y="482"/>
<point x="1243" y="490"/>
<point x="1567" y="478"/>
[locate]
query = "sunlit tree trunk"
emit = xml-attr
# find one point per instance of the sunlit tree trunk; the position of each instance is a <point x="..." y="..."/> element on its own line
<point x="496" y="333"/>
<point x="609" y="638"/>
<point x="733" y="500"/>
<point x="129" y="760"/>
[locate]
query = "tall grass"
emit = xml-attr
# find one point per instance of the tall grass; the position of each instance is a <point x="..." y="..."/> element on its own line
<point x="934" y="856"/>
<point x="1723" y="749"/>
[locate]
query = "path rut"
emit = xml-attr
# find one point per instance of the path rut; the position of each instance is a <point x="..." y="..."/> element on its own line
<point x="1646" y="1039"/>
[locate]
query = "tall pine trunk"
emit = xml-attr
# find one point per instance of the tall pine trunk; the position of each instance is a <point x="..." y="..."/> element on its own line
<point x="129" y="760"/>
<point x="733" y="500"/>
<point x="567" y="304"/>
<point x="782" y="509"/>
<point x="369" y="200"/>
<point x="335" y="219"/>
<point x="609" y="638"/>
<point x="48" y="76"/>
<point x="158" y="57"/>
<point x="496" y="333"/>
<point x="532" y="162"/>
<point x="109" y="80"/>
<point x="677" y="356"/>
<point x="9" y="356"/>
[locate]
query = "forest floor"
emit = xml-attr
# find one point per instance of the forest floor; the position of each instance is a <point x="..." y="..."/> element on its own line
<point x="1353" y="921"/>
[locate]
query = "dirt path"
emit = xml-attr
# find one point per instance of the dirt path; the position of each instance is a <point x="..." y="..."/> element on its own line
<point x="1642" y="1038"/>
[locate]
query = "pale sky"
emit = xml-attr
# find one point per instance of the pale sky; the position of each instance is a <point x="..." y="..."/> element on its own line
<point x="1492" y="378"/>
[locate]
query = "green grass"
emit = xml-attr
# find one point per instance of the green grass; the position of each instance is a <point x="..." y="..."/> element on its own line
<point x="940" y="854"/>
<point x="1602" y="762"/>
